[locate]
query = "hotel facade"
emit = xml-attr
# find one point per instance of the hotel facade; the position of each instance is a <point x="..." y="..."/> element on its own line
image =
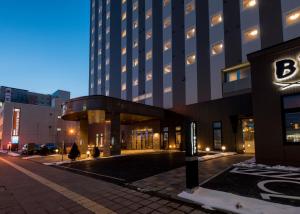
<point x="185" y="58"/>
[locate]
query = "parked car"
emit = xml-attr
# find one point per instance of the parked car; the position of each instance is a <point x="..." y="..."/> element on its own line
<point x="31" y="149"/>
<point x="51" y="147"/>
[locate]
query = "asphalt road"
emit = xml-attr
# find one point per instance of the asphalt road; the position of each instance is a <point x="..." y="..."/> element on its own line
<point x="132" y="167"/>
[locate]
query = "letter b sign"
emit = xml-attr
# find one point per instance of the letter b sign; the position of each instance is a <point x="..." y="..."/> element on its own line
<point x="285" y="68"/>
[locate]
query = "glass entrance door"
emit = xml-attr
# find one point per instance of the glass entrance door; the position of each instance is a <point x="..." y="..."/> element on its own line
<point x="248" y="136"/>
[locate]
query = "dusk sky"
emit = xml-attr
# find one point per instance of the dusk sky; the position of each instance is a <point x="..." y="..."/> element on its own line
<point x="44" y="45"/>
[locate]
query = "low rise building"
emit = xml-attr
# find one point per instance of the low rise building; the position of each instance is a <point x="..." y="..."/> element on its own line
<point x="27" y="117"/>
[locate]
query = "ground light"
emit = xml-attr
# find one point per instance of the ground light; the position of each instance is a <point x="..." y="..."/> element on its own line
<point x="207" y="149"/>
<point x="223" y="148"/>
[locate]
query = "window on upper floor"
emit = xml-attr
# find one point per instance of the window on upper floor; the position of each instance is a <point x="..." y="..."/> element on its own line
<point x="167" y="22"/>
<point x="216" y="19"/>
<point x="217" y="48"/>
<point x="247" y="4"/>
<point x="124" y="16"/>
<point x="148" y="34"/>
<point x="190" y="59"/>
<point x="123" y="70"/>
<point x="148" y="14"/>
<point x="235" y="75"/>
<point x="135" y="44"/>
<point x="189" y="7"/>
<point x="123" y="87"/>
<point x="123" y="1"/>
<point x="168" y="89"/>
<point x="167" y="45"/>
<point x="124" y="33"/>
<point x="135" y="82"/>
<point x="135" y="62"/>
<point x="135" y="5"/>
<point x="190" y="33"/>
<point x="166" y="2"/>
<point x="108" y="15"/>
<point x="135" y="24"/>
<point x="149" y="55"/>
<point x="123" y="51"/>
<point x="167" y="69"/>
<point x="149" y="76"/>
<point x="292" y="17"/>
<point x="250" y="34"/>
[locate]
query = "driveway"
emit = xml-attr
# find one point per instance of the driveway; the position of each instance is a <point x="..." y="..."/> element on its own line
<point x="130" y="168"/>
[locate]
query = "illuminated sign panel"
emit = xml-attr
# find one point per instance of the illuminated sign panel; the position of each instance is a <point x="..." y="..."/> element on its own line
<point x="286" y="73"/>
<point x="16" y="122"/>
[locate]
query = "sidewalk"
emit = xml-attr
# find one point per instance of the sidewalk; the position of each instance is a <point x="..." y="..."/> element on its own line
<point x="44" y="200"/>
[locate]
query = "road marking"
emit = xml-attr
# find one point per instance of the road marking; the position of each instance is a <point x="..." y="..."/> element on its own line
<point x="73" y="196"/>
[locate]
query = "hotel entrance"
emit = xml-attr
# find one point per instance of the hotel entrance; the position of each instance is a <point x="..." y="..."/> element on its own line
<point x="142" y="139"/>
<point x="248" y="136"/>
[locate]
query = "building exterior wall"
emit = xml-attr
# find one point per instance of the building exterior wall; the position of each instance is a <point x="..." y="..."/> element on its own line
<point x="153" y="67"/>
<point x="268" y="104"/>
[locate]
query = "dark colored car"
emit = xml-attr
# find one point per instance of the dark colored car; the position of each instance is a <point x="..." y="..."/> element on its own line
<point x="51" y="147"/>
<point x="31" y="149"/>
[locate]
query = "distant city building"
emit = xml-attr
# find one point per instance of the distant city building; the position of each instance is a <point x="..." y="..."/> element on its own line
<point x="28" y="117"/>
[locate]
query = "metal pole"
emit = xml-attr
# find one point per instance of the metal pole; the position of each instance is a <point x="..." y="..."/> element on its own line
<point x="62" y="150"/>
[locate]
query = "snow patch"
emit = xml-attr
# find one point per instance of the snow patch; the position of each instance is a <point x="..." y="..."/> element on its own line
<point x="14" y="154"/>
<point x="229" y="202"/>
<point x="218" y="155"/>
<point x="252" y="165"/>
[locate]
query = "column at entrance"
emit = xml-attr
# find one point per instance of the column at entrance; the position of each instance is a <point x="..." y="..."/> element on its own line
<point x="83" y="141"/>
<point x="113" y="127"/>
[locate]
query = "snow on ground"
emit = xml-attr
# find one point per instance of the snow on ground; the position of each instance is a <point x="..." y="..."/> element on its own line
<point x="212" y="199"/>
<point x="217" y="155"/>
<point x="14" y="154"/>
<point x="39" y="156"/>
<point x="251" y="164"/>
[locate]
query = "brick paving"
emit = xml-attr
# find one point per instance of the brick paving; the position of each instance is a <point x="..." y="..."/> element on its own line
<point x="172" y="182"/>
<point x="20" y="193"/>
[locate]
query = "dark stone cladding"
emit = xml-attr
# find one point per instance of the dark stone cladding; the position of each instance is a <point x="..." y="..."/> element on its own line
<point x="271" y="147"/>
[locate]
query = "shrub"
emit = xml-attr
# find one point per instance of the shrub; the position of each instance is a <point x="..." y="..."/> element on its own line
<point x="74" y="153"/>
<point x="96" y="152"/>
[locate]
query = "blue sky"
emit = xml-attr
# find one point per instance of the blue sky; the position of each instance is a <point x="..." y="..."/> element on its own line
<point x="44" y="45"/>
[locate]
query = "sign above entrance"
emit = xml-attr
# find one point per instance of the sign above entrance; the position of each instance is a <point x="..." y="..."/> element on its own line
<point x="286" y="73"/>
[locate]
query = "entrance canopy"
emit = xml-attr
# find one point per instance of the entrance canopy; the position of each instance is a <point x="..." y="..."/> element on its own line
<point x="84" y="108"/>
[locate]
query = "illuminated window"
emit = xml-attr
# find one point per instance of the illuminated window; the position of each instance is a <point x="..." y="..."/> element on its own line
<point x="190" y="7"/>
<point x="167" y="22"/>
<point x="92" y="85"/>
<point x="107" y="1"/>
<point x="107" y="62"/>
<point x="166" y="2"/>
<point x="149" y="55"/>
<point x="247" y="4"/>
<point x="106" y="93"/>
<point x="99" y="37"/>
<point x="235" y="75"/>
<point x="149" y="34"/>
<point x="135" y="82"/>
<point x="107" y="46"/>
<point x="123" y="51"/>
<point x="108" y="15"/>
<point x="135" y="44"/>
<point x="148" y="14"/>
<point x="292" y="17"/>
<point x="124" y="33"/>
<point x="167" y="89"/>
<point x="190" y="33"/>
<point x="167" y="45"/>
<point x="107" y="30"/>
<point x="135" y="24"/>
<point x="107" y="77"/>
<point x="123" y="1"/>
<point x="167" y="69"/>
<point x="149" y="76"/>
<point x="99" y="81"/>
<point x="124" y="87"/>
<point x="216" y="19"/>
<point x="123" y="68"/>
<point x="217" y="48"/>
<point x="135" y="5"/>
<point x="191" y="59"/>
<point x="123" y="16"/>
<point x="250" y="35"/>
<point x="135" y="62"/>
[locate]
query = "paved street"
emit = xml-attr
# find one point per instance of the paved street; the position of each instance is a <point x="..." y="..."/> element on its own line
<point x="29" y="187"/>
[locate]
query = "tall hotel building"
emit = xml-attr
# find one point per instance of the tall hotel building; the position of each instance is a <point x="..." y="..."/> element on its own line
<point x="188" y="57"/>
